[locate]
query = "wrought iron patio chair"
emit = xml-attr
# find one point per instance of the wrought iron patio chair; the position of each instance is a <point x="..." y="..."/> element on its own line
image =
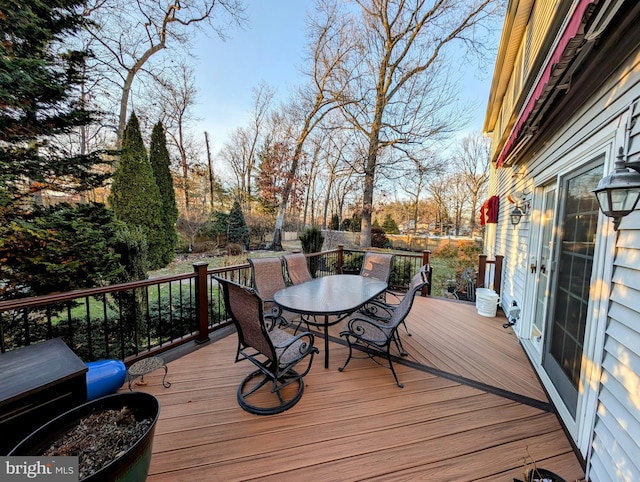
<point x="377" y="265"/>
<point x="375" y="336"/>
<point x="267" y="277"/>
<point x="275" y="386"/>
<point x="382" y="309"/>
<point x="298" y="272"/>
<point x="297" y="268"/>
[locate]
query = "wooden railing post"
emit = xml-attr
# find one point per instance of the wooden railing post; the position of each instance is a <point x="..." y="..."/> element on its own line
<point x="202" y="304"/>
<point x="497" y="274"/>
<point x="482" y="267"/>
<point x="426" y="256"/>
<point x="340" y="257"/>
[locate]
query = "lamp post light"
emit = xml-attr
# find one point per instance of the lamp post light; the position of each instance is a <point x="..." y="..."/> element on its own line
<point x="618" y="193"/>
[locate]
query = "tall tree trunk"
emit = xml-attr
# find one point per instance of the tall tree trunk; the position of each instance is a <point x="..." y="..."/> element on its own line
<point x="286" y="192"/>
<point x="206" y="139"/>
<point x="370" y="176"/>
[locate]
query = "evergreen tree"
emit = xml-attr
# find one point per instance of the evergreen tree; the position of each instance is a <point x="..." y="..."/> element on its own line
<point x="355" y="223"/>
<point x="378" y="237"/>
<point x="39" y="82"/>
<point x="334" y="224"/>
<point x="389" y="225"/>
<point x="160" y="162"/>
<point x="237" y="232"/>
<point x="135" y="196"/>
<point x="312" y="240"/>
<point x="60" y="248"/>
<point x="37" y="85"/>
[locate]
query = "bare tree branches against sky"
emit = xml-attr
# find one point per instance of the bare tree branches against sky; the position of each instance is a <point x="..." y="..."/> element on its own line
<point x="271" y="48"/>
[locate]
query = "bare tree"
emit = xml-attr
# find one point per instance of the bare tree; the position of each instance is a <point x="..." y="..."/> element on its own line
<point x="128" y="34"/>
<point x="328" y="49"/>
<point x="400" y="81"/>
<point x="459" y="196"/>
<point x="176" y="98"/>
<point x="191" y="222"/>
<point x="415" y="178"/>
<point x="335" y="142"/>
<point x="209" y="168"/>
<point x="438" y="187"/>
<point x="473" y="158"/>
<point x="240" y="150"/>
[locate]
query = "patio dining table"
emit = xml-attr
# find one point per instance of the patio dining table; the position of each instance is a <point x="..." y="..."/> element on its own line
<point x="328" y="297"/>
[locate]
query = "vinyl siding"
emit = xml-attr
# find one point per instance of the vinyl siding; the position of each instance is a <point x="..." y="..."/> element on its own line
<point x="607" y="425"/>
<point x="616" y="446"/>
<point x="529" y="51"/>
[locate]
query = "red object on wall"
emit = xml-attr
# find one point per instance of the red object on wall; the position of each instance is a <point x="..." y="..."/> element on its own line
<point x="489" y="211"/>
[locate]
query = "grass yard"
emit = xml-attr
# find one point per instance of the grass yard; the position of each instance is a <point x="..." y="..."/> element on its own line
<point x="444" y="269"/>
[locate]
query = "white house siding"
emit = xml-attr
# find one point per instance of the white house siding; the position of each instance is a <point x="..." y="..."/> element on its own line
<point x="616" y="438"/>
<point x="607" y="426"/>
<point x="512" y="242"/>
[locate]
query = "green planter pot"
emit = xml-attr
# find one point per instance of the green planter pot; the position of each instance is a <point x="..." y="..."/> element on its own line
<point x="133" y="465"/>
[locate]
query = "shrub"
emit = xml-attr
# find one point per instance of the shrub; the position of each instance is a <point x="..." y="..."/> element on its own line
<point x="401" y="272"/>
<point x="311" y="239"/>
<point x="379" y="238"/>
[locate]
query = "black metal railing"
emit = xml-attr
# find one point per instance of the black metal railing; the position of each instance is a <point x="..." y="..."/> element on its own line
<point x="130" y="321"/>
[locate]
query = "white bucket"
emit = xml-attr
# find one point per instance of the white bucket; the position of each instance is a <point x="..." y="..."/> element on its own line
<point x="482" y="291"/>
<point x="487" y="302"/>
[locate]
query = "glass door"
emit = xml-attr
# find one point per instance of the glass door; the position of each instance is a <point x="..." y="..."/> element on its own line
<point x="542" y="266"/>
<point x="569" y="295"/>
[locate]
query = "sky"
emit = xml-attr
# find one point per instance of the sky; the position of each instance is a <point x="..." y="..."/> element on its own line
<point x="270" y="49"/>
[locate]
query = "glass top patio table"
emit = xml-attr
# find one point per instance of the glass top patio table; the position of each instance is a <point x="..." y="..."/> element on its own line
<point x="336" y="295"/>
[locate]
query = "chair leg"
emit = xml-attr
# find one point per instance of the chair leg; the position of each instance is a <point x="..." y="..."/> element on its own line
<point x="302" y="320"/>
<point x="405" y="328"/>
<point x="395" y="375"/>
<point x="282" y="403"/>
<point x="398" y="342"/>
<point x="349" y="357"/>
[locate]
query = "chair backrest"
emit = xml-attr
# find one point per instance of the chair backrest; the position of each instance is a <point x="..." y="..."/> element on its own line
<point x="266" y="276"/>
<point x="425" y="272"/>
<point x="377" y="265"/>
<point x="297" y="268"/>
<point x="244" y="307"/>
<point x="418" y="281"/>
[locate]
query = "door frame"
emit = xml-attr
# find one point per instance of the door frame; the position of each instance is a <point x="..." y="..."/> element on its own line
<point x="539" y="201"/>
<point x="581" y="426"/>
<point x="570" y="390"/>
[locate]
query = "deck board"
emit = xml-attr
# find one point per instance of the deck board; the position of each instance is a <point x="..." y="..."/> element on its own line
<point x="357" y="424"/>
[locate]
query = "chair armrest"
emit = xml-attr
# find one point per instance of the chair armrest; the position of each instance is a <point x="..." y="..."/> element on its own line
<point x="272" y="312"/>
<point x="368" y="329"/>
<point x="378" y="310"/>
<point x="395" y="295"/>
<point x="297" y="347"/>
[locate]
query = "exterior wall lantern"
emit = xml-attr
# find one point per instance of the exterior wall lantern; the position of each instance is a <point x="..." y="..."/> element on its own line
<point x="618" y="193"/>
<point x="515" y="215"/>
<point x="521" y="206"/>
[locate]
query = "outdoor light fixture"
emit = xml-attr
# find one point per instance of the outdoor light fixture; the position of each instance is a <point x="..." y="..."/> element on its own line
<point x="521" y="206"/>
<point x="618" y="193"/>
<point x="515" y="215"/>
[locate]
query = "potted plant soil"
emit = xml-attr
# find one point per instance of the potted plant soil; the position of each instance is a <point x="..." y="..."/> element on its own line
<point x="540" y="475"/>
<point x="112" y="436"/>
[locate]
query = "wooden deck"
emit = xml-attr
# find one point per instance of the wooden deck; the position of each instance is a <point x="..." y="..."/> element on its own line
<point x="471" y="409"/>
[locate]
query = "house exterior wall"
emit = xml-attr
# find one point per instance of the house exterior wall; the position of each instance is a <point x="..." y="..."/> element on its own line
<point x="606" y="426"/>
<point x="530" y="35"/>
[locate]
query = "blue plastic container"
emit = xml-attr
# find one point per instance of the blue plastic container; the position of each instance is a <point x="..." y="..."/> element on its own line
<point x="104" y="377"/>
